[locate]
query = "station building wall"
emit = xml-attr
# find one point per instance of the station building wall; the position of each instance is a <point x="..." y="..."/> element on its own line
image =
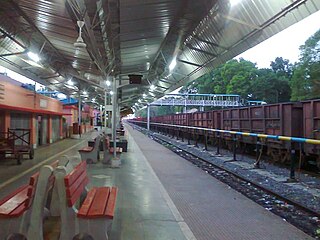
<point x="22" y="108"/>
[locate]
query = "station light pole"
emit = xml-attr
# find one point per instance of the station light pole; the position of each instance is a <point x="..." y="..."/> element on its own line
<point x="148" y="117"/>
<point x="114" y="116"/>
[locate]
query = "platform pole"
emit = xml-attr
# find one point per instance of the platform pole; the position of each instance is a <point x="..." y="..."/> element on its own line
<point x="234" y="148"/>
<point x="114" y="116"/>
<point x="79" y="114"/>
<point x="105" y="109"/>
<point x="206" y="141"/>
<point x="148" y="117"/>
<point x="292" y="164"/>
<point x="218" y="146"/>
<point x="258" y="151"/>
<point x="196" y="138"/>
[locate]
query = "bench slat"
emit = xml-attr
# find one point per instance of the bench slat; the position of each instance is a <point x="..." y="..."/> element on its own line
<point x="6" y="198"/>
<point x="19" y="210"/>
<point x="86" y="149"/>
<point x="111" y="203"/>
<point x="83" y="211"/>
<point x="70" y="189"/>
<point x="14" y="203"/>
<point x="76" y="195"/>
<point x="75" y="173"/>
<point x="99" y="203"/>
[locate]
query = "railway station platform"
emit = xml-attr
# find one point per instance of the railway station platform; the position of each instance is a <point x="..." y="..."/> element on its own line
<point x="161" y="195"/>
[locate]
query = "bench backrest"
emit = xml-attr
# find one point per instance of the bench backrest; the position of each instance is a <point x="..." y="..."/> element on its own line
<point x="106" y="143"/>
<point x="39" y="186"/>
<point x="97" y="143"/>
<point x="75" y="183"/>
<point x="34" y="180"/>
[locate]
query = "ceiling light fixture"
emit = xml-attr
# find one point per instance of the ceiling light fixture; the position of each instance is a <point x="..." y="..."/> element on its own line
<point x="152" y="87"/>
<point x="33" y="56"/>
<point x="173" y="64"/>
<point x="108" y="83"/>
<point x="70" y="83"/>
<point x="234" y="2"/>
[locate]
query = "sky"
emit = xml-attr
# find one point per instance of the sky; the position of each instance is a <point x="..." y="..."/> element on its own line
<point x="284" y="44"/>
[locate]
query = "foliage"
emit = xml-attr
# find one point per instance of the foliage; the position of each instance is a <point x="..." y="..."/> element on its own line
<point x="282" y="67"/>
<point x="305" y="81"/>
<point x="244" y="78"/>
<point x="159" y="111"/>
<point x="282" y="82"/>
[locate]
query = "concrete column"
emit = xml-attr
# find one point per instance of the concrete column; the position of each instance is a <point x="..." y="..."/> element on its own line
<point x="7" y="119"/>
<point x="105" y="111"/>
<point x="61" y="127"/>
<point x="79" y="113"/>
<point x="49" y="131"/>
<point x="148" y="117"/>
<point x="118" y="114"/>
<point x="114" y="115"/>
<point x="33" y="130"/>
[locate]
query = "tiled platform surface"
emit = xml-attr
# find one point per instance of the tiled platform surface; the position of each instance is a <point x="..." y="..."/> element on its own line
<point x="210" y="208"/>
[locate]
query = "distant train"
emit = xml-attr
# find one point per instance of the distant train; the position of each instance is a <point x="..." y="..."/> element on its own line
<point x="293" y="119"/>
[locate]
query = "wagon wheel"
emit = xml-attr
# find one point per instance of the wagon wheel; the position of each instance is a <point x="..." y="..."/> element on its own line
<point x="31" y="153"/>
<point x="274" y="157"/>
<point x="229" y="145"/>
<point x="284" y="156"/>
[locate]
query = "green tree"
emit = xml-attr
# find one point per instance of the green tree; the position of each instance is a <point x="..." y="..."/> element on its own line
<point x="282" y="67"/>
<point x="305" y="81"/>
<point x="239" y="77"/>
<point x="270" y="87"/>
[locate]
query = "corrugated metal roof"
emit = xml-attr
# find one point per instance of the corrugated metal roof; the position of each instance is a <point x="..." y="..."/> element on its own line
<point x="135" y="37"/>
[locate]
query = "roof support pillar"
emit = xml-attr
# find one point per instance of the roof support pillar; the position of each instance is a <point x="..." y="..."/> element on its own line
<point x="114" y="116"/>
<point x="79" y="113"/>
<point x="148" y="116"/>
<point x="105" y="109"/>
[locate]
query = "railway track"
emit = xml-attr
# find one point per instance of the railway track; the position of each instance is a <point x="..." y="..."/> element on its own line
<point x="298" y="214"/>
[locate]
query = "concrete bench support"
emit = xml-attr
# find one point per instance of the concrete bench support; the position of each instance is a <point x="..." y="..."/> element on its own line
<point x="90" y="154"/>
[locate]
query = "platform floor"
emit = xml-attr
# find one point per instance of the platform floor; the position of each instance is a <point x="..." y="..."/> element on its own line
<point x="162" y="196"/>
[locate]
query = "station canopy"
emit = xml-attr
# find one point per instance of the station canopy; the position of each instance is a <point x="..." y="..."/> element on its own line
<point x="163" y="43"/>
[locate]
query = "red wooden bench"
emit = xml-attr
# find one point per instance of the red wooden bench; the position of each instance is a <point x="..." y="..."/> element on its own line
<point x="94" y="217"/>
<point x="90" y="154"/>
<point x="22" y="211"/>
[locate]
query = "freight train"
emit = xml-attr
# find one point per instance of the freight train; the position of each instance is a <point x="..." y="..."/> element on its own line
<point x="292" y="119"/>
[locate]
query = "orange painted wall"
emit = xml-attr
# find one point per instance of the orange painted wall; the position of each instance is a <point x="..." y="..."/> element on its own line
<point x="72" y="115"/>
<point x="19" y="97"/>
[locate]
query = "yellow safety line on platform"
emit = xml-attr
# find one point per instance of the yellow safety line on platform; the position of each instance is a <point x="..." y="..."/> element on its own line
<point x="11" y="180"/>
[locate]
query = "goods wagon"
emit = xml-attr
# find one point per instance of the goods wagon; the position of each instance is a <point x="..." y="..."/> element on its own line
<point x="293" y="119"/>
